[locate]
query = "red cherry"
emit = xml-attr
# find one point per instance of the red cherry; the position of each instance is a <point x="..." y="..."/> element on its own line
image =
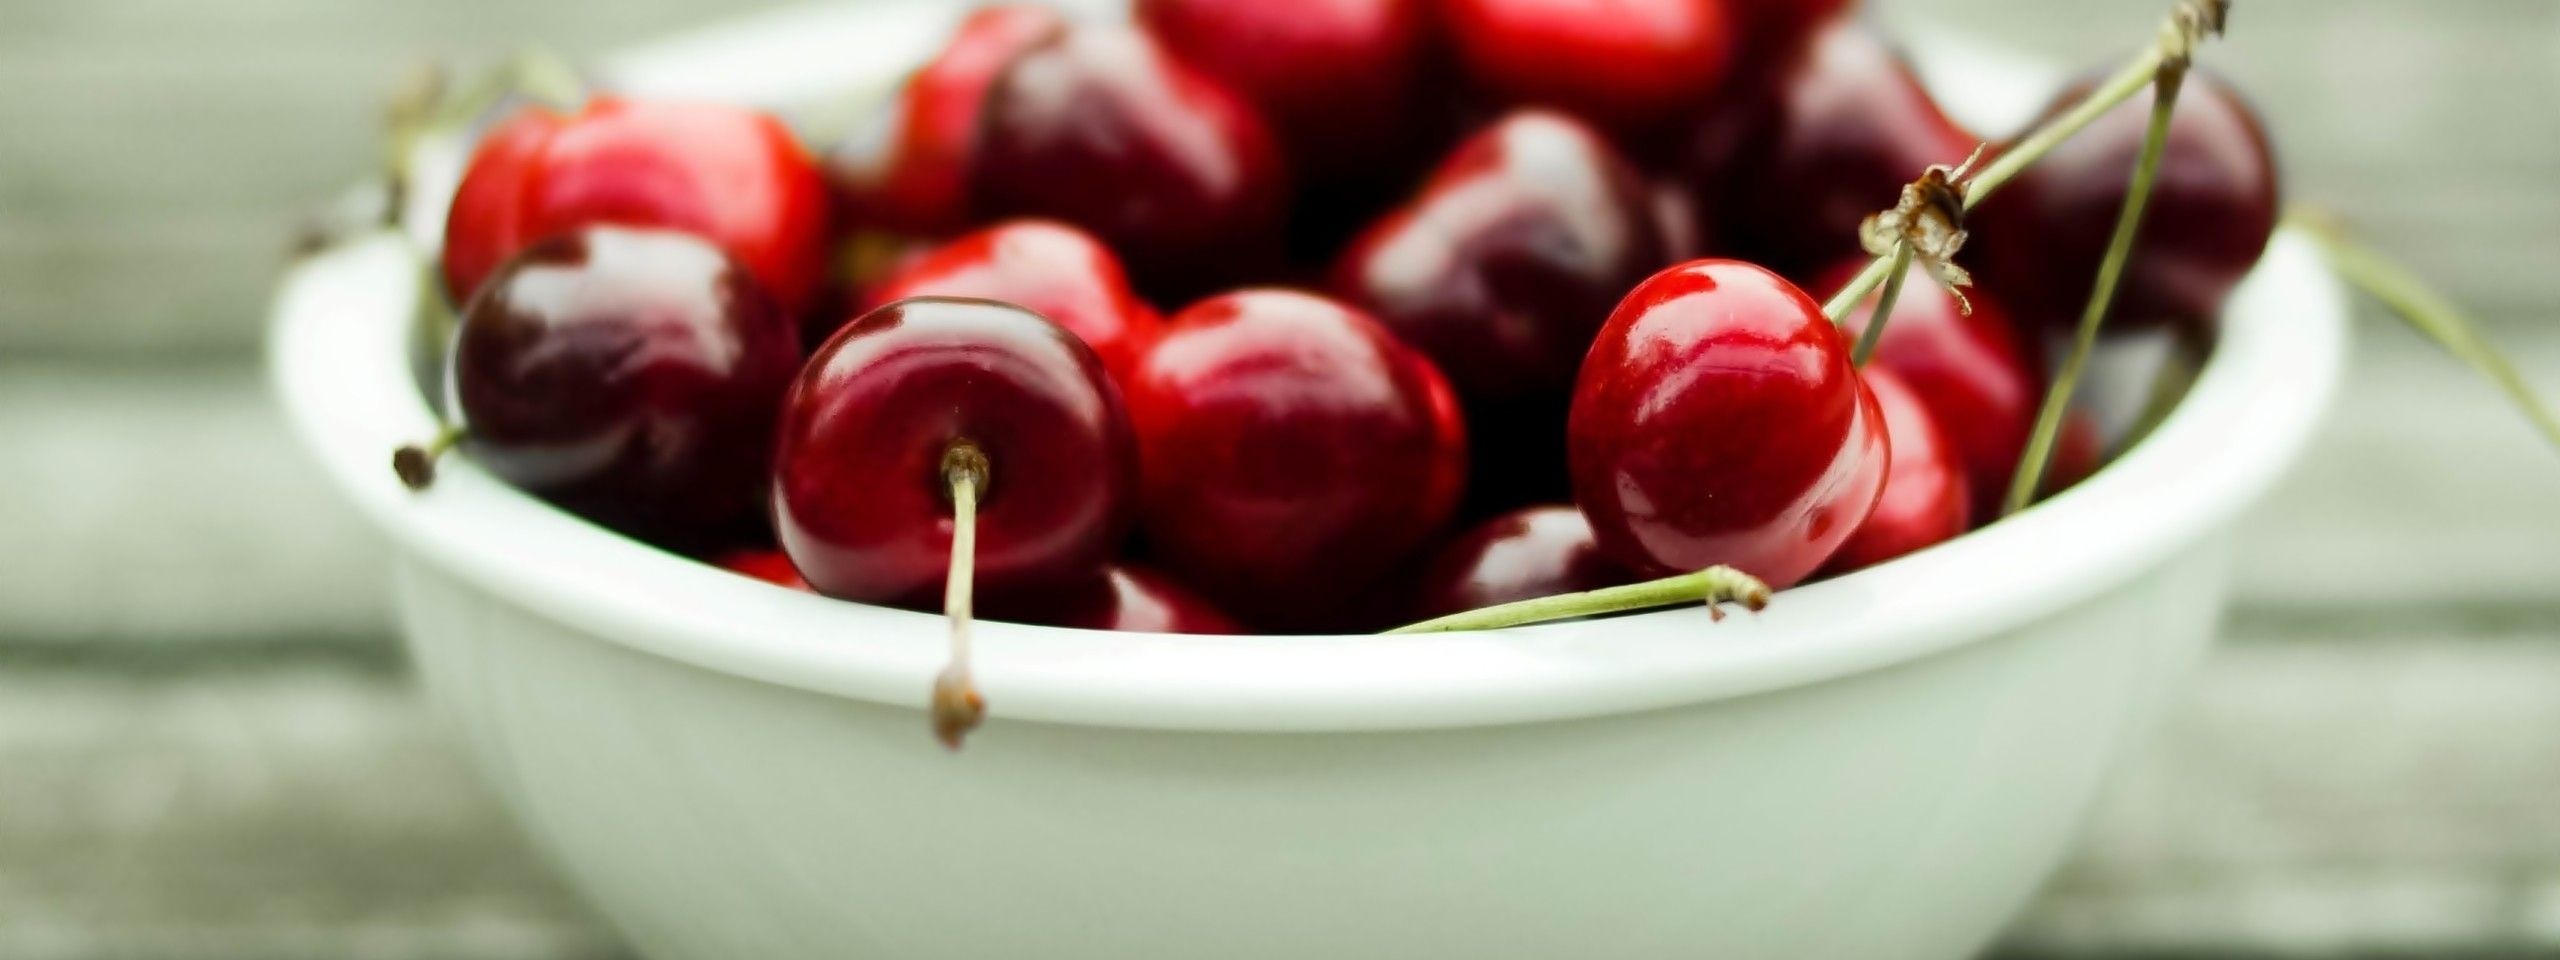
<point x="2078" y="451"/>
<point x="1341" y="80"/>
<point x="1500" y="270"/>
<point x="907" y="170"/>
<point x="1718" y="421"/>
<point x="1785" y="172"/>
<point x="1292" y="452"/>
<point x="1098" y="126"/>
<point x="1626" y="64"/>
<point x="1126" y="598"/>
<point x="1971" y="372"/>
<point x="770" y="566"/>
<point x="2212" y="209"/>
<point x="861" y="498"/>
<point x="1052" y="269"/>
<point x="631" y="376"/>
<point x="732" y="176"/>
<point x="1521" y="555"/>
<point x="1776" y="28"/>
<point x="1926" y="498"/>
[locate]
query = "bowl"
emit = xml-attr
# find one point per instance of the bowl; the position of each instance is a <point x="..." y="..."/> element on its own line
<point x="1882" y="765"/>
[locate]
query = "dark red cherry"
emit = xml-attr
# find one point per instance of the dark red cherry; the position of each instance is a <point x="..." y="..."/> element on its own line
<point x="1054" y="270"/>
<point x="1340" y="80"/>
<point x="1521" y="555"/>
<point x="631" y="376"/>
<point x="1926" y="500"/>
<point x="2038" y="241"/>
<point x="907" y="168"/>
<point x="1098" y="126"/>
<point x="1970" y="370"/>
<point x="770" y="566"/>
<point x="1786" y="171"/>
<point x="861" y="494"/>
<point x="1500" y="270"/>
<point x="1126" y="598"/>
<point x="1718" y="421"/>
<point x="1293" y="453"/>
<point x="1773" y="29"/>
<point x="1626" y="64"/>
<point x="2078" y="451"/>
<point x="730" y="175"/>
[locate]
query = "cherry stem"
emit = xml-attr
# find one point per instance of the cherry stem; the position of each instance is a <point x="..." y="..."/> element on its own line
<point x="2426" y="311"/>
<point x="957" y="706"/>
<point x="1712" y="586"/>
<point x="416" y="462"/>
<point x="1898" y="272"/>
<point x="2057" y="398"/>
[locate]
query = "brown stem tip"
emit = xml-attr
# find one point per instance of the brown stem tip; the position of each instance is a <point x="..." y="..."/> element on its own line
<point x="415" y="465"/>
<point x="957" y="708"/>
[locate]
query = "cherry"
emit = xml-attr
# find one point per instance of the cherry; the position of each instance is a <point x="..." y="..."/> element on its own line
<point x="1785" y="172"/>
<point x="1342" y="81"/>
<point x="1970" y="370"/>
<point x="1527" y="553"/>
<point x="1926" y="500"/>
<point x="1776" y="28"/>
<point x="1718" y="421"/>
<point x="631" y="376"/>
<point x="1098" y="126"/>
<point x="2212" y="210"/>
<point x="730" y="175"/>
<point x="1626" y="64"/>
<point x="770" y="566"/>
<point x="1292" y="453"/>
<point x="1500" y="270"/>
<point x="2078" y="451"/>
<point x="1052" y="269"/>
<point x="907" y="169"/>
<point x="1126" y="598"/>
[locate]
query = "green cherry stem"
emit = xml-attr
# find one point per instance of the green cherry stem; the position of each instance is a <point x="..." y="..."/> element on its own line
<point x="416" y="463"/>
<point x="2057" y="398"/>
<point x="1895" y="274"/>
<point x="2426" y="311"/>
<point x="1712" y="586"/>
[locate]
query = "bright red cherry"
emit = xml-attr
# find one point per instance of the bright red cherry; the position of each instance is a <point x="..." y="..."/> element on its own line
<point x="1098" y="126"/>
<point x="1341" y="80"/>
<point x="1292" y="453"/>
<point x="1500" y="270"/>
<point x="1785" y="172"/>
<point x="733" y="176"/>
<point x="1927" y="500"/>
<point x="2212" y="209"/>
<point x="631" y="376"/>
<point x="1126" y="598"/>
<point x="1052" y="269"/>
<point x="1718" y="421"/>
<point x="1626" y="64"/>
<point x="907" y="170"/>
<point x="1521" y="555"/>
<point x="883" y="414"/>
<point x="770" y="566"/>
<point x="1970" y="370"/>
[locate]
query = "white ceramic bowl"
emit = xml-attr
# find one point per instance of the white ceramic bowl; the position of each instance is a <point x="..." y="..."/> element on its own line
<point x="1883" y="765"/>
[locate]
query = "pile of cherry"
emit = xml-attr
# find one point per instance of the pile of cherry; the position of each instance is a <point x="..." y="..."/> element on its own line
<point x="1299" y="316"/>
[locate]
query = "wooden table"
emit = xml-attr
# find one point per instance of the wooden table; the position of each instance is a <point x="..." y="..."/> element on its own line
<point x="209" y="747"/>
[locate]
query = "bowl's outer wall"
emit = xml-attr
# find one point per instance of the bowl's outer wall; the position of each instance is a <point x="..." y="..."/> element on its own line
<point x="1903" y="812"/>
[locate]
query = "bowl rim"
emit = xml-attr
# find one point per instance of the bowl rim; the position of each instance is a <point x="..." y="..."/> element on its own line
<point x="337" y="355"/>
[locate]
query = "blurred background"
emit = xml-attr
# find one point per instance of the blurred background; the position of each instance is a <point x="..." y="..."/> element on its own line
<point x="209" y="746"/>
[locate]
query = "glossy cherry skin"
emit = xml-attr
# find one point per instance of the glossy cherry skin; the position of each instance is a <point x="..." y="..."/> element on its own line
<point x="1052" y="269"/>
<point x="2038" y="241"/>
<point x="1718" y="421"/>
<point x="860" y="499"/>
<point x="1522" y="555"/>
<point x="1342" y="81"/>
<point x="1927" y="498"/>
<point x="1625" y="64"/>
<point x="1970" y="370"/>
<point x="1099" y="126"/>
<point x="770" y="566"/>
<point x="1121" y="597"/>
<point x="1786" y="171"/>
<point x="631" y="376"/>
<point x="729" y="175"/>
<point x="907" y="169"/>
<point x="1292" y="453"/>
